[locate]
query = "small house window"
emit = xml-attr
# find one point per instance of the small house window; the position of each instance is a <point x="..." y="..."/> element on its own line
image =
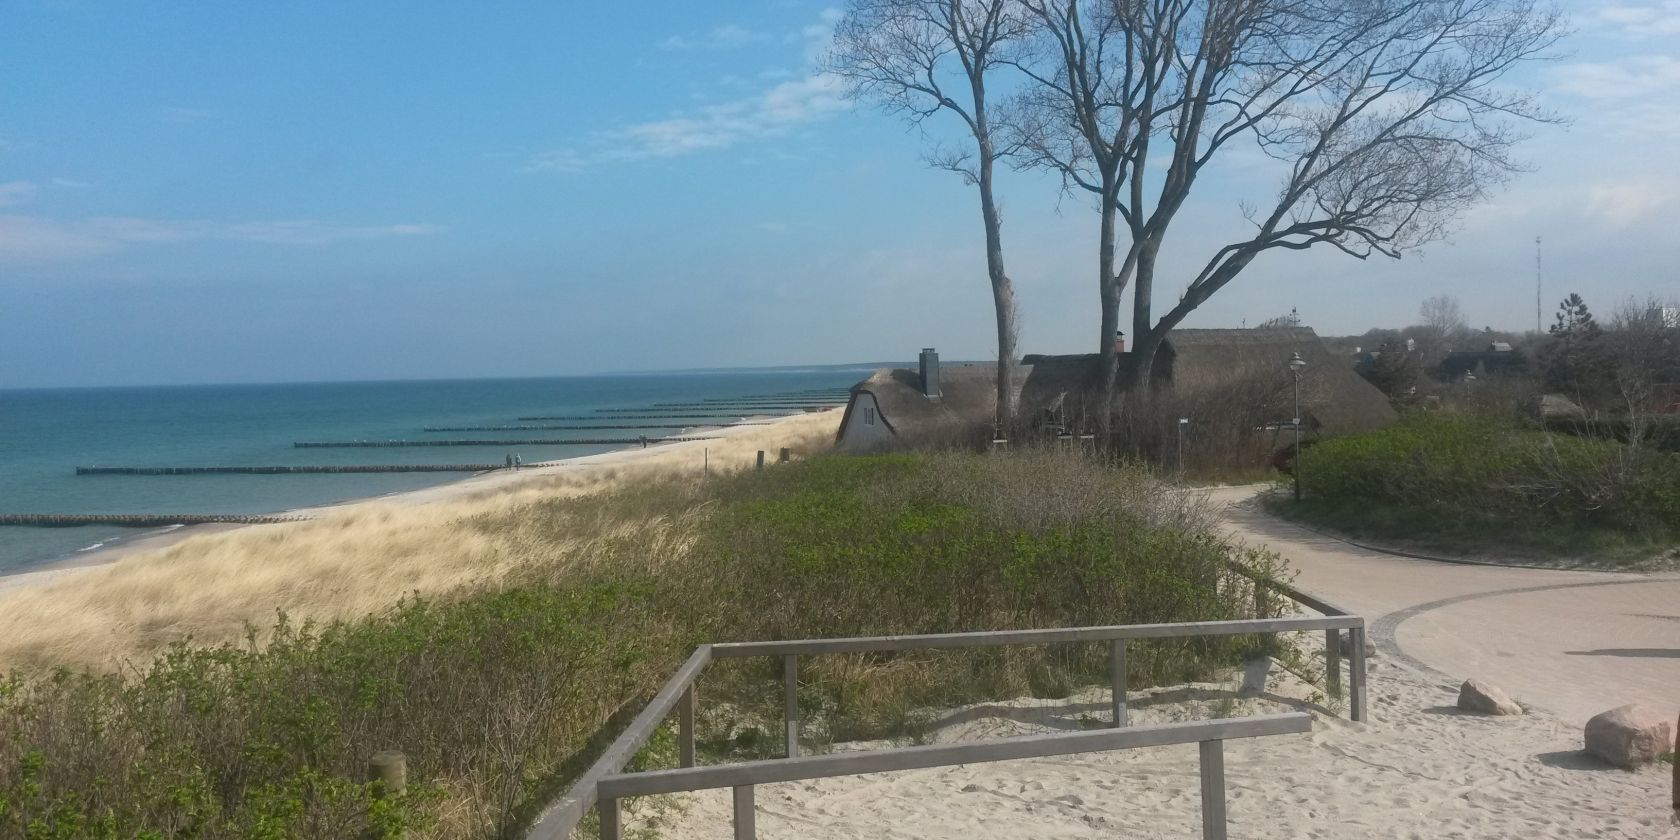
<point x="869" y="417"/>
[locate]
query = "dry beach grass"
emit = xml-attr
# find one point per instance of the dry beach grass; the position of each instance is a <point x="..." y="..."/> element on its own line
<point x="351" y="561"/>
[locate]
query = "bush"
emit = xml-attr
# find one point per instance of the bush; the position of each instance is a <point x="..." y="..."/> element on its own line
<point x="498" y="698"/>
<point x="1477" y="478"/>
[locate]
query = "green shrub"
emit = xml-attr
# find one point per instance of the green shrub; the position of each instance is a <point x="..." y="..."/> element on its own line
<point x="1458" y="478"/>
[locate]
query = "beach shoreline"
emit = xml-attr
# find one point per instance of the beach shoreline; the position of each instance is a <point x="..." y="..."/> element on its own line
<point x="452" y="489"/>
<point x="209" y="585"/>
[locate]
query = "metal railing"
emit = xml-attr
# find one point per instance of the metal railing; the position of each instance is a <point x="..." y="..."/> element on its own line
<point x="605" y="783"/>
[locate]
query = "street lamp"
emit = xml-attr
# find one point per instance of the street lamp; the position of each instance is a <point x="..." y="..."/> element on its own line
<point x="1296" y="365"/>
<point x="1182" y="422"/>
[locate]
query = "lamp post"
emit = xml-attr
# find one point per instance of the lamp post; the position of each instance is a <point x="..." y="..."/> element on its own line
<point x="1182" y="422"/>
<point x="1296" y="365"/>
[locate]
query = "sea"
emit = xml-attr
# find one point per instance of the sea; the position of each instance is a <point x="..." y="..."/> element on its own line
<point x="46" y="434"/>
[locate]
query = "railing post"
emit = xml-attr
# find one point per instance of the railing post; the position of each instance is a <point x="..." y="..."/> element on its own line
<point x="1117" y="679"/>
<point x="790" y="703"/>
<point x="608" y="811"/>
<point x="685" y="728"/>
<point x="745" y="829"/>
<point x="1268" y="641"/>
<point x="1213" y="790"/>
<point x="389" y="769"/>
<point x="1356" y="672"/>
<point x="1333" y="662"/>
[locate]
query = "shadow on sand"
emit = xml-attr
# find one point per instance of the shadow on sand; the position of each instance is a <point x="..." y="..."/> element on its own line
<point x="1632" y="653"/>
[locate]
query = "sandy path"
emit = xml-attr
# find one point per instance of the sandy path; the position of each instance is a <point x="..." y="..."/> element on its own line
<point x="1419" y="770"/>
<point x="1574" y="643"/>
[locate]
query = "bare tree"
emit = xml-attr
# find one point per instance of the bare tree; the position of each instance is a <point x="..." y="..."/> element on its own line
<point x="1387" y="118"/>
<point x="1094" y="78"/>
<point x="921" y="57"/>
<point x="1441" y="314"/>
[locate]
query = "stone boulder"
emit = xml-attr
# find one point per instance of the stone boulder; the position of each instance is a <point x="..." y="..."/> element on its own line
<point x="1345" y="644"/>
<point x="1629" y="736"/>
<point x="1478" y="696"/>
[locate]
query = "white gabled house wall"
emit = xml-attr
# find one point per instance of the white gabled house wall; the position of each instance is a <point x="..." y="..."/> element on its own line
<point x="863" y="429"/>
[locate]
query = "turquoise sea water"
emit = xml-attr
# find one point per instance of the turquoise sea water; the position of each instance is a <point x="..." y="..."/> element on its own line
<point x="46" y="434"/>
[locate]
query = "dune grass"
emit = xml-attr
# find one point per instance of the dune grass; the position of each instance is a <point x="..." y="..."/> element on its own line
<point x="502" y="689"/>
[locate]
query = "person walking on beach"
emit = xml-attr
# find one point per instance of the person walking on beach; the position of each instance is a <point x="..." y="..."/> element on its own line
<point x="510" y="460"/>
<point x="518" y="462"/>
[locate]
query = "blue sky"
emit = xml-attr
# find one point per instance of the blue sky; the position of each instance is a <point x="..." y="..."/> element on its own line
<point x="226" y="192"/>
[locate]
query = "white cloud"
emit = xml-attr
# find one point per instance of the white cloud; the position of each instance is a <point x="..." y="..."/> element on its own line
<point x="1640" y="20"/>
<point x="1630" y="202"/>
<point x="727" y="36"/>
<point x="818" y="36"/>
<point x="1634" y="77"/>
<point x="771" y="113"/>
<point x="16" y="192"/>
<point x="71" y="183"/>
<point x="34" y="239"/>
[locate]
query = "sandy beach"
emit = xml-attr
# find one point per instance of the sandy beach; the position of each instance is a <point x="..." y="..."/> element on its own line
<point x="1419" y="769"/>
<point x="117" y="606"/>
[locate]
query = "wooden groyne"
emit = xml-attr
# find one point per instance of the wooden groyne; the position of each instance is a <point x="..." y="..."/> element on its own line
<point x="286" y="470"/>
<point x="140" y="520"/>
<point x="581" y="428"/>
<point x="347" y="444"/>
<point x="669" y="415"/>
<point x="717" y="406"/>
<point x="654" y="414"/>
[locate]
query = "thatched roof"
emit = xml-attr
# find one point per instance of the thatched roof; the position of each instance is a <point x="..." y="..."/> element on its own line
<point x="1334" y="399"/>
<point x="966" y="406"/>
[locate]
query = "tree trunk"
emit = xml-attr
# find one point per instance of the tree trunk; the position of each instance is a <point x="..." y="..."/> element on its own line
<point x="1143" y="303"/>
<point x="1108" y="290"/>
<point x="1003" y="292"/>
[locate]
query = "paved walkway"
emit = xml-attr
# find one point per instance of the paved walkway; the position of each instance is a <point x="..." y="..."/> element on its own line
<point x="1574" y="643"/>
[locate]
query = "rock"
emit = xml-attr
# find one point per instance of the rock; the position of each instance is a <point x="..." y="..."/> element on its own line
<point x="1478" y="696"/>
<point x="1629" y="736"/>
<point x="1346" y="645"/>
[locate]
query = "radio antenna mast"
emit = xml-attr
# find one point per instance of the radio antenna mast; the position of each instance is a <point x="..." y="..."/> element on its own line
<point x="1538" y="324"/>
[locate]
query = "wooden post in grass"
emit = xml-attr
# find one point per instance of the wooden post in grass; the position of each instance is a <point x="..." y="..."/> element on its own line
<point x="760" y="459"/>
<point x="787" y="455"/>
<point x="389" y="769"/>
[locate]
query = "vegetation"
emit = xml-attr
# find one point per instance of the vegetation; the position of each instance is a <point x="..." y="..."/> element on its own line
<point x="1468" y="483"/>
<point x="499" y="695"/>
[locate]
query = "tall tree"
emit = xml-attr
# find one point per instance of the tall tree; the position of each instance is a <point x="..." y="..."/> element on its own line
<point x="1386" y="118"/>
<point x="1094" y="77"/>
<point x="922" y="57"/>
<point x="1576" y="360"/>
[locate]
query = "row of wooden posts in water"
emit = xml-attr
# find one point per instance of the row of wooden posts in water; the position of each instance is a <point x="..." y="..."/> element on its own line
<point x="813" y="399"/>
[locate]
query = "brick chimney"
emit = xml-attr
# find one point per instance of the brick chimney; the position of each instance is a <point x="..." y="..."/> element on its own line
<point x="1119" y="342"/>
<point x="930" y="372"/>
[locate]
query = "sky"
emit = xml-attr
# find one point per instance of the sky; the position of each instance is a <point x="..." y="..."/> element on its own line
<point x="303" y="191"/>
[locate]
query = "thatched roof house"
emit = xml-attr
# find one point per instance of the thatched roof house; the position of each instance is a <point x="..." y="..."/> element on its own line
<point x="958" y="402"/>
